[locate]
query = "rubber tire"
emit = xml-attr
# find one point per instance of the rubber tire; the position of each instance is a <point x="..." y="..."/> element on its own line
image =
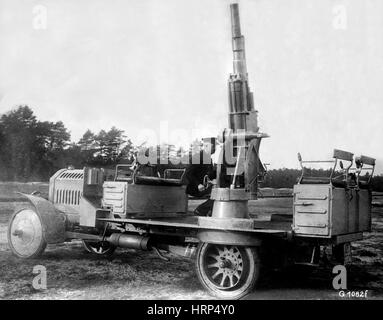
<point x="42" y="245"/>
<point x="252" y="257"/>
<point x="106" y="253"/>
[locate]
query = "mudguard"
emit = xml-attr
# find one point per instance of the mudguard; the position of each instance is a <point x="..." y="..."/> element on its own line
<point x="52" y="220"/>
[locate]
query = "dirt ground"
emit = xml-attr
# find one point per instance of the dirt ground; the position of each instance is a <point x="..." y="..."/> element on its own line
<point x="73" y="273"/>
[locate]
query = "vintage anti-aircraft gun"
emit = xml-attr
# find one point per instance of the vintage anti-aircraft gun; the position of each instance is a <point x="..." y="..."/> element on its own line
<point x="151" y="213"/>
<point x="239" y="166"/>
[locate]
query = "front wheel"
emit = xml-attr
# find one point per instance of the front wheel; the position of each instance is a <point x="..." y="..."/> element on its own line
<point x="228" y="272"/>
<point x="26" y="234"/>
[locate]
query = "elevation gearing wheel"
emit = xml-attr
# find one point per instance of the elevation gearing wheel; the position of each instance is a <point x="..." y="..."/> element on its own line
<point x="228" y="272"/>
<point x="99" y="247"/>
<point x="26" y="234"/>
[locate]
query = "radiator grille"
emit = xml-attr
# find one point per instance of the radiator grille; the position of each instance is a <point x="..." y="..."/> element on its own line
<point x="70" y="197"/>
<point x="66" y="187"/>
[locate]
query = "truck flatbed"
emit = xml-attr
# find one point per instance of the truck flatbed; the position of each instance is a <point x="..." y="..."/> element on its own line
<point x="194" y="222"/>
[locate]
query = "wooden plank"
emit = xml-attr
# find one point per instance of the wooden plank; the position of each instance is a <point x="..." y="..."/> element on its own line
<point x="194" y="225"/>
<point x="226" y="223"/>
<point x="343" y="155"/>
<point x="367" y="160"/>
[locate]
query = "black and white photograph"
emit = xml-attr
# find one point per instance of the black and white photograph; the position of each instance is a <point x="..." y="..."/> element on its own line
<point x="205" y="151"/>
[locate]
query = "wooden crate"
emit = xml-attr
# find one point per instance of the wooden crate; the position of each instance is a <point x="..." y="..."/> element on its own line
<point x="145" y="201"/>
<point x="326" y="211"/>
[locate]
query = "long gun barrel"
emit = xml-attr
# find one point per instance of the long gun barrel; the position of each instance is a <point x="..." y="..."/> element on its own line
<point x="241" y="103"/>
<point x="239" y="58"/>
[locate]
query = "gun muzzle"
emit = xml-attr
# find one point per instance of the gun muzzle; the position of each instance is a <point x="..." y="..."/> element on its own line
<point x="235" y="22"/>
<point x="239" y="58"/>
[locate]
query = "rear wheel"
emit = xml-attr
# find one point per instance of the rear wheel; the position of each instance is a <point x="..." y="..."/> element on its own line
<point x="102" y="248"/>
<point x="26" y="234"/>
<point x="228" y="272"/>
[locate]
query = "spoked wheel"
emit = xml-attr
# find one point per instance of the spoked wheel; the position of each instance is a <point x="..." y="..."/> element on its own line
<point x="102" y="248"/>
<point x="228" y="272"/>
<point x="26" y="234"/>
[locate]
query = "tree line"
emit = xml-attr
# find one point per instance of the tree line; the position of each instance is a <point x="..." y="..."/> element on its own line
<point x="33" y="150"/>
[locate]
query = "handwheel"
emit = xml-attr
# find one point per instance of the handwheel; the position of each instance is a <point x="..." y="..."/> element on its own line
<point x="25" y="234"/>
<point x="228" y="272"/>
<point x="99" y="247"/>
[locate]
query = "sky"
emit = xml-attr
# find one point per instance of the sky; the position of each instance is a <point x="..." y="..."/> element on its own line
<point x="159" y="69"/>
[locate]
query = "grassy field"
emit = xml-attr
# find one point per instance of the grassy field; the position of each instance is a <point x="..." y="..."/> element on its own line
<point x="9" y="191"/>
